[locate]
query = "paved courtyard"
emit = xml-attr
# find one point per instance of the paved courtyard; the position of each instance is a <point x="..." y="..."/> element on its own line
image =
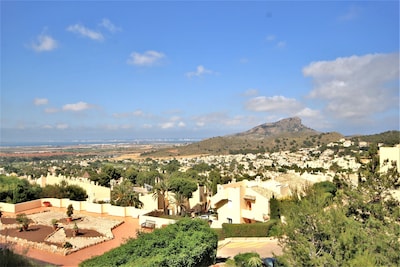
<point x="266" y="247"/>
<point x="124" y="231"/>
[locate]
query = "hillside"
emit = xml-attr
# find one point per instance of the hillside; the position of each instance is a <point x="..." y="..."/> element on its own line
<point x="389" y="138"/>
<point x="286" y="134"/>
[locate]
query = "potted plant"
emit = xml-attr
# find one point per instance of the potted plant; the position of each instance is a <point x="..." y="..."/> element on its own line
<point x="54" y="223"/>
<point x="23" y="220"/>
<point x="70" y="211"/>
<point x="67" y="245"/>
<point x="75" y="230"/>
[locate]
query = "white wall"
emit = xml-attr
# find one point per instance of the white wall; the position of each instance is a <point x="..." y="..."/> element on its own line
<point x="392" y="154"/>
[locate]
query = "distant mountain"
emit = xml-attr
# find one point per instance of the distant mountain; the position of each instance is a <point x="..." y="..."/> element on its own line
<point x="285" y="127"/>
<point x="286" y="134"/>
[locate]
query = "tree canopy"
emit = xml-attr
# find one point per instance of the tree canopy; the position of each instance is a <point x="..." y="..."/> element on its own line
<point x="346" y="226"/>
<point x="123" y="195"/>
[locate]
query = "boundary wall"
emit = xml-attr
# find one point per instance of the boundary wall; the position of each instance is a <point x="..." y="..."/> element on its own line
<point x="94" y="191"/>
<point x="78" y="206"/>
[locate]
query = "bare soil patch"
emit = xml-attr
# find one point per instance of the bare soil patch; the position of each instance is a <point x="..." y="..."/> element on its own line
<point x="83" y="233"/>
<point x="10" y="220"/>
<point x="35" y="233"/>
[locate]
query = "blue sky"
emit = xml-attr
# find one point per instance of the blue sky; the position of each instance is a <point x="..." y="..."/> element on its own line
<point x="126" y="70"/>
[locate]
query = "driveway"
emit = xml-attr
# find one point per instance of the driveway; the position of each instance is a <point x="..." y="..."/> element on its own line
<point x="265" y="247"/>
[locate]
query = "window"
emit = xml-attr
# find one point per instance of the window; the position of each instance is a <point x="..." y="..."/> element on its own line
<point x="248" y="204"/>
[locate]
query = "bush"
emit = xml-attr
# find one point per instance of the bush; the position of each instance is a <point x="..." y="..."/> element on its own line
<point x="14" y="190"/>
<point x="185" y="243"/>
<point x="63" y="190"/>
<point x="9" y="258"/>
<point x="248" y="230"/>
<point x="70" y="210"/>
<point x="242" y="259"/>
<point x="67" y="245"/>
<point x="23" y="220"/>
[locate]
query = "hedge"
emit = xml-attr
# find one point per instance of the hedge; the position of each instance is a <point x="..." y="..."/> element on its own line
<point x="248" y="230"/>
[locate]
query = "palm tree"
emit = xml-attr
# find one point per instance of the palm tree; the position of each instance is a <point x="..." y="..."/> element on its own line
<point x="132" y="200"/>
<point x="254" y="262"/>
<point x="123" y="195"/>
<point x="161" y="194"/>
<point x="119" y="192"/>
<point x="180" y="202"/>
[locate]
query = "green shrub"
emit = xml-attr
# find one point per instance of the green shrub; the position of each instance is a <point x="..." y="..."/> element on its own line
<point x="185" y="243"/>
<point x="242" y="259"/>
<point x="220" y="233"/>
<point x="14" y="190"/>
<point x="8" y="258"/>
<point x="248" y="230"/>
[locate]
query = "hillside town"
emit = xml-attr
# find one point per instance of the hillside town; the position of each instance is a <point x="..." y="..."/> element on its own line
<point x="224" y="189"/>
<point x="252" y="180"/>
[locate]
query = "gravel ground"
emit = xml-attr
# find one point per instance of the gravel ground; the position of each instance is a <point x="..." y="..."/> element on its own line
<point x="101" y="225"/>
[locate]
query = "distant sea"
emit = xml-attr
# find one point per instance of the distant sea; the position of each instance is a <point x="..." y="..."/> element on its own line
<point x="97" y="142"/>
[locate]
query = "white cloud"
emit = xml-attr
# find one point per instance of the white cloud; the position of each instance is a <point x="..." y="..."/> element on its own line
<point x="200" y="70"/>
<point x="273" y="104"/>
<point x="136" y="113"/>
<point x="167" y="125"/>
<point x="270" y="38"/>
<point x="352" y="13"/>
<point x="281" y="44"/>
<point x="147" y="58"/>
<point x="44" y="43"/>
<point x="83" y="31"/>
<point x="80" y="106"/>
<point x="174" y="121"/>
<point x="40" y="101"/>
<point x="357" y="86"/>
<point x="274" y="40"/>
<point x="309" y="113"/>
<point x="126" y="126"/>
<point x="62" y="126"/>
<point x="221" y="119"/>
<point x="106" y="23"/>
<point x="147" y="126"/>
<point x="175" y="118"/>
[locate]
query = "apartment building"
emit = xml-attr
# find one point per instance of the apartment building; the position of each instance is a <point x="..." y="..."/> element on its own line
<point x="388" y="157"/>
<point x="244" y="201"/>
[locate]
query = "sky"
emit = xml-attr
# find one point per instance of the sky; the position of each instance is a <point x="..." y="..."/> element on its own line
<point x="88" y="70"/>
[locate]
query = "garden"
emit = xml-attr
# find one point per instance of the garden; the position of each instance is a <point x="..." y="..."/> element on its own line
<point x="55" y="231"/>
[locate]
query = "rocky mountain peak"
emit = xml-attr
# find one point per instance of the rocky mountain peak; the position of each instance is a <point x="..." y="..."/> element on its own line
<point x="283" y="127"/>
